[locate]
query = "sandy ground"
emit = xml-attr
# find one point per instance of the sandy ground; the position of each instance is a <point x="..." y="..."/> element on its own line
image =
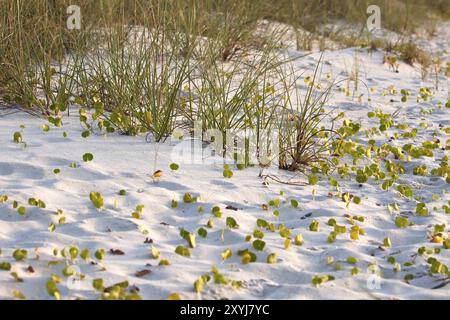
<point x="122" y="162"/>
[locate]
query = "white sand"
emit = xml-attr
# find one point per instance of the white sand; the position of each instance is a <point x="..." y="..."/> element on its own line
<point x="122" y="162"/>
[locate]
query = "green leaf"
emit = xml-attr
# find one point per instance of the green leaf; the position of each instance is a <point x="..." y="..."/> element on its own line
<point x="98" y="285"/>
<point x="408" y="277"/>
<point x="318" y="280"/>
<point x="314" y="226"/>
<point x="190" y="238"/>
<point x="22" y="211"/>
<point x="6" y="266"/>
<point x="96" y="199"/>
<point x="313" y="179"/>
<point x="352" y="260"/>
<point x="246" y="258"/>
<point x="340" y="229"/>
<point x="285" y="232"/>
<point x="294" y="203"/>
<point x="68" y="271"/>
<point x="174" y="296"/>
<point x="405" y="190"/>
<point x="51" y="227"/>
<point x="299" y="240"/>
<point x="18" y="295"/>
<point x="164" y="262"/>
<point x="84" y="254"/>
<point x="198" y="285"/>
<point x="446" y="243"/>
<point x="73" y="165"/>
<point x="216" y="211"/>
<point x="261" y="223"/>
<point x="20" y="254"/>
<point x="272" y="258"/>
<point x="52" y="289"/>
<point x="259" y="245"/>
<point x="227" y="254"/>
<point x="17" y="137"/>
<point x="227" y="174"/>
<point x="202" y="232"/>
<point x="182" y="251"/>
<point x="421" y="209"/>
<point x="154" y="253"/>
<point x="73" y="252"/>
<point x="231" y="223"/>
<point x="274" y="203"/>
<point x="88" y="157"/>
<point x="401" y="222"/>
<point x="100" y="254"/>
<point x="3" y="198"/>
<point x="258" y="234"/>
<point x="187" y="198"/>
<point x="387" y="242"/>
<point x="356" y="200"/>
<point x="174" y="166"/>
<point x="332" y="237"/>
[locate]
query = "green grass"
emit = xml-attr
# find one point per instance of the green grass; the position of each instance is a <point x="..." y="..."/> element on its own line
<point x="153" y="66"/>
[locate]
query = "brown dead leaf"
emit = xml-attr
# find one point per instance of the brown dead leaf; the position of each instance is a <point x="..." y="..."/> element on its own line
<point x="116" y="252"/>
<point x="143" y="273"/>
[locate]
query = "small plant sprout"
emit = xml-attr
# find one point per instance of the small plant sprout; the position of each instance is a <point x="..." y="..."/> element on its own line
<point x="318" y="280"/>
<point x="182" y="251"/>
<point x="387" y="242"/>
<point x="154" y="253"/>
<point x="202" y="232"/>
<point x="227" y="254"/>
<point x="17" y="137"/>
<point x="314" y="226"/>
<point x="88" y="157"/>
<point x="231" y="223"/>
<point x="96" y="199"/>
<point x="137" y="213"/>
<point x="20" y="254"/>
<point x="189" y="237"/>
<point x="174" y="296"/>
<point x="402" y="222"/>
<point x="299" y="240"/>
<point x="216" y="211"/>
<point x="100" y="254"/>
<point x="312" y="180"/>
<point x="272" y="258"/>
<point x="188" y="198"/>
<point x="227" y="173"/>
